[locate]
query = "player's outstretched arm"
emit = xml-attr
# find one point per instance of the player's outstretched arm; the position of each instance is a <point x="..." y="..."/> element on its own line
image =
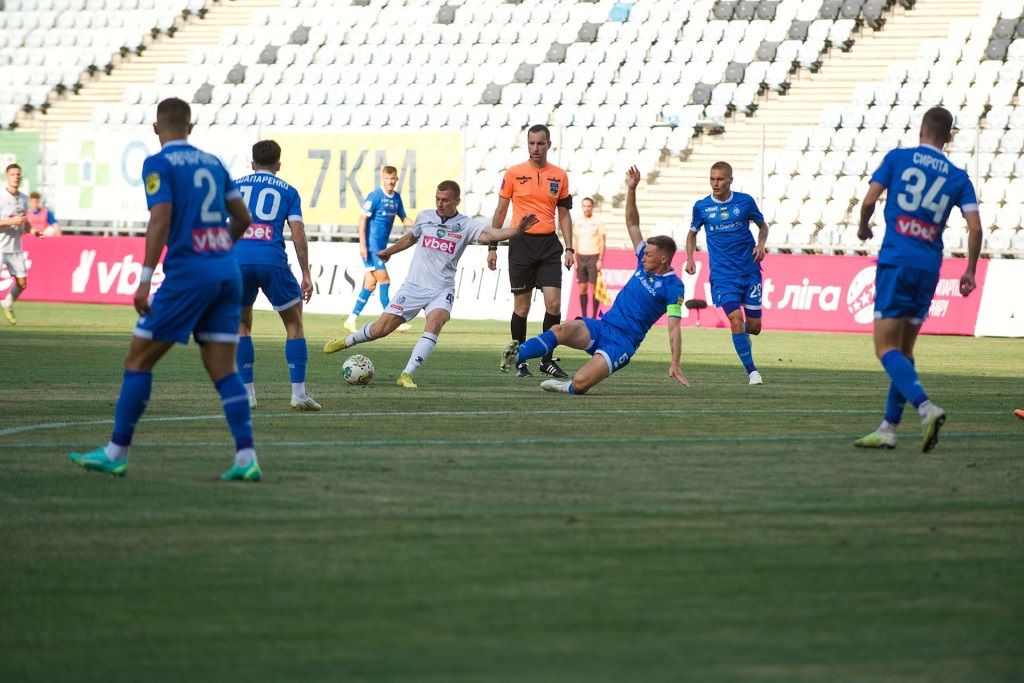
<point x="497" y="220"/>
<point x="497" y="235"/>
<point x="403" y="243"/>
<point x="974" y="236"/>
<point x="867" y="209"/>
<point x="675" y="342"/>
<point x="633" y="213"/>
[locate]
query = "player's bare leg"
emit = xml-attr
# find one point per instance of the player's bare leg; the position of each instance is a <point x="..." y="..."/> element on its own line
<point x="296" y="354"/>
<point x="742" y="326"/>
<point x="436" y="320"/>
<point x="381" y="327"/>
<point x="370" y="279"/>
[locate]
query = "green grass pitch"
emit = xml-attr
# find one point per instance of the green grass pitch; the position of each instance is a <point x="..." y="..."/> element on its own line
<point x="479" y="529"/>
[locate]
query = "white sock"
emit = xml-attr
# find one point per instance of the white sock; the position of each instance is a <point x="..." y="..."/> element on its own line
<point x="886" y="426"/>
<point x="244" y="457"/>
<point x="359" y="337"/>
<point x="421" y="352"/>
<point x="924" y="408"/>
<point x="250" y="388"/>
<point x="299" y="389"/>
<point x="115" y="452"/>
<point x="13" y="294"/>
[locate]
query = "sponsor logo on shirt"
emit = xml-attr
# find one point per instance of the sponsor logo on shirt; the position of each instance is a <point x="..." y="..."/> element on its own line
<point x="259" y="231"/>
<point x="909" y="226"/>
<point x="431" y="242"/>
<point x="152" y="183"/>
<point x="523" y="179"/>
<point x="211" y="240"/>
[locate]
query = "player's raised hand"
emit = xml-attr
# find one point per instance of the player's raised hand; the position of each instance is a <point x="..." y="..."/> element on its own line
<point x="967" y="284"/>
<point x="141" y="299"/>
<point x="675" y="372"/>
<point x="758" y="253"/>
<point x="632" y="177"/>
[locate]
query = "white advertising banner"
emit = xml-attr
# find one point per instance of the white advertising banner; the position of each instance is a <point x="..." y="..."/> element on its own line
<point x="1002" y="306"/>
<point x="480" y="293"/>
<point x="101" y="168"/>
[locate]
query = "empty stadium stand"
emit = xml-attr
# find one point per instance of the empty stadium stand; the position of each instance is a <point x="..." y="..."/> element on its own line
<point x="801" y="96"/>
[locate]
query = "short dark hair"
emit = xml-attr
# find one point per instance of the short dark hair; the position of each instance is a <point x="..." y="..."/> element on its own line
<point x="174" y="112"/>
<point x="665" y="244"/>
<point x="540" y="128"/>
<point x="937" y="124"/>
<point x="10" y="166"/>
<point x="266" y="153"/>
<point x="388" y="170"/>
<point x="588" y="199"/>
<point x="449" y="186"/>
<point x="722" y="166"/>
<point x="35" y="195"/>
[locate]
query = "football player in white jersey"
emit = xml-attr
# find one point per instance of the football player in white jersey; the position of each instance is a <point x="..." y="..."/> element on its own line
<point x="13" y="222"/>
<point x="441" y="237"/>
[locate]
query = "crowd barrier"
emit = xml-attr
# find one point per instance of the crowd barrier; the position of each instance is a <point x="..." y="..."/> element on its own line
<point x="800" y="292"/>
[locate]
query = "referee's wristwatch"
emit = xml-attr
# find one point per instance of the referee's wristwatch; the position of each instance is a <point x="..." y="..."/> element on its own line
<point x="570" y="249"/>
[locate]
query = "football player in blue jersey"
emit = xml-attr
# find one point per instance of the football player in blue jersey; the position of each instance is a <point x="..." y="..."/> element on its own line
<point x="264" y="264"/>
<point x="923" y="187"/>
<point x="379" y="211"/>
<point x="735" y="259"/>
<point x="653" y="291"/>
<point x="191" y="198"/>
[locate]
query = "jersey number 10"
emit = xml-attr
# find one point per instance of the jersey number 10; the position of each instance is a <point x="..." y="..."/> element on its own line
<point x="267" y="194"/>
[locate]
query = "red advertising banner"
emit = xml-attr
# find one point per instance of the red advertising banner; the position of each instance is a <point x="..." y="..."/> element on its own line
<point x="100" y="270"/>
<point x="810" y="292"/>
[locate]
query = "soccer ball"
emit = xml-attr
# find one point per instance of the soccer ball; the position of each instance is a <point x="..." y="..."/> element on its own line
<point x="357" y="370"/>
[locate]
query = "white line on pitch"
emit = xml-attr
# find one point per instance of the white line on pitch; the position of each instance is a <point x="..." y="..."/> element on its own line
<point x="465" y="413"/>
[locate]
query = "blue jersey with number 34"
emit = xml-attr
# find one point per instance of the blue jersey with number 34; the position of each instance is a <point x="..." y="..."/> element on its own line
<point x="923" y="187"/>
<point x="198" y="187"/>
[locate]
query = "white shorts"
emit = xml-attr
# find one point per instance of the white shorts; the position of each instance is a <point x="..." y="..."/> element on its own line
<point x="411" y="299"/>
<point x="15" y="263"/>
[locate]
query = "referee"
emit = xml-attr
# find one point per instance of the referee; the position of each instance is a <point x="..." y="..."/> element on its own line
<point x="534" y="257"/>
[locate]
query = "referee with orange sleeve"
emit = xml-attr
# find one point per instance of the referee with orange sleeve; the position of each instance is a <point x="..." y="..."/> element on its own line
<point x="535" y="257"/>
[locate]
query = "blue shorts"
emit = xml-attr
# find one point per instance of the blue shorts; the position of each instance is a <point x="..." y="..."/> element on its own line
<point x="609" y="342"/>
<point x="746" y="291"/>
<point x="277" y="282"/>
<point x="211" y="311"/>
<point x="372" y="261"/>
<point x="904" y="292"/>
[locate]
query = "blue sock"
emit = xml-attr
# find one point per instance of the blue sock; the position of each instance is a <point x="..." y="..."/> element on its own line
<point x="236" y="409"/>
<point x="535" y="347"/>
<point x="385" y="294"/>
<point x="364" y="296"/>
<point x="245" y="357"/>
<point x="894" y="403"/>
<point x="741" y="341"/>
<point x="297" y="355"/>
<point x="131" y="404"/>
<point x="903" y="375"/>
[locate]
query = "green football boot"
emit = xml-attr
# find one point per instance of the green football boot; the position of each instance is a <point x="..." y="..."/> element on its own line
<point x="98" y="461"/>
<point x="250" y="472"/>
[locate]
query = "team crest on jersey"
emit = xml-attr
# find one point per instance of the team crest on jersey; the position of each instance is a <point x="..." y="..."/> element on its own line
<point x="441" y="232"/>
<point x="725" y="214"/>
<point x="152" y="183"/>
<point x="736" y="211"/>
<point x="553" y="186"/>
